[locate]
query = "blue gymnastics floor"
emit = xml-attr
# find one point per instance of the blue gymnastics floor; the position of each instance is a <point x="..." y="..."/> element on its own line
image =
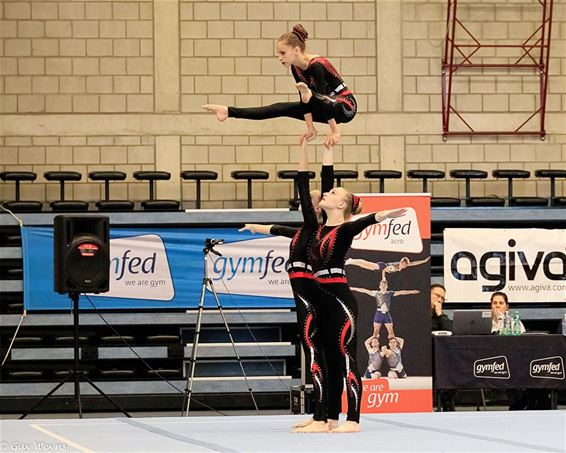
<point x="499" y="431"/>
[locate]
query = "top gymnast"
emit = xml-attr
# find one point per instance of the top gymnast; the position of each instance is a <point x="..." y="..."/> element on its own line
<point x="324" y="97"/>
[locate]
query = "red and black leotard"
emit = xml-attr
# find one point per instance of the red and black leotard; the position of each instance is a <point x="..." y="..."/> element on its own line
<point x="328" y="250"/>
<point x="338" y="313"/>
<point x="303" y="286"/>
<point x="331" y="98"/>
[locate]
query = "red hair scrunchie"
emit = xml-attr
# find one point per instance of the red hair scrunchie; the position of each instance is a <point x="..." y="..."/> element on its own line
<point x="355" y="202"/>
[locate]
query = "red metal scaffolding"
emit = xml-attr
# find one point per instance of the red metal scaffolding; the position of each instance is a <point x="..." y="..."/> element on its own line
<point x="459" y="55"/>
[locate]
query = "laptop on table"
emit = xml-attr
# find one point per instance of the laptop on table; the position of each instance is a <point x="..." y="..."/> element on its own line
<point x="471" y="322"/>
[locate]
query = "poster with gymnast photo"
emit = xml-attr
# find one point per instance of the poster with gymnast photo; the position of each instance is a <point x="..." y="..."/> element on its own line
<point x="388" y="270"/>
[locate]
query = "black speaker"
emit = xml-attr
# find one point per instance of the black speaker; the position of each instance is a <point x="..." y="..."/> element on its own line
<point x="82" y="254"/>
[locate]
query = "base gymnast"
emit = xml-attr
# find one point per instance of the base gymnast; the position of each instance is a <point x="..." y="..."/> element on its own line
<point x="303" y="285"/>
<point x="337" y="320"/>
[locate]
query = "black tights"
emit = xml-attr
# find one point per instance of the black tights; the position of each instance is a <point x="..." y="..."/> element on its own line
<point x="323" y="108"/>
<point x="337" y="317"/>
<point x="308" y="325"/>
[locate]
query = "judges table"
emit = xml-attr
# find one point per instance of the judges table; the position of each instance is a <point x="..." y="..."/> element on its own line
<point x="502" y="362"/>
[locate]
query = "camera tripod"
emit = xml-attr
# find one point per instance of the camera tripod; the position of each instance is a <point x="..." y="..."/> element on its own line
<point x="208" y="284"/>
<point x="75" y="374"/>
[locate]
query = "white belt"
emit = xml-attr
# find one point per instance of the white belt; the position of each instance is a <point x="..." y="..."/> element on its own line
<point x="338" y="89"/>
<point x="331" y="271"/>
<point x="298" y="264"/>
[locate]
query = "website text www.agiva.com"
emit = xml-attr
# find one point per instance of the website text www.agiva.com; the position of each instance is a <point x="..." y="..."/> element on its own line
<point x="537" y="288"/>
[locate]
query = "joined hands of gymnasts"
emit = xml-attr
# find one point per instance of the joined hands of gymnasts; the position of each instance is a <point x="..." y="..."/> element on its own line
<point x="331" y="139"/>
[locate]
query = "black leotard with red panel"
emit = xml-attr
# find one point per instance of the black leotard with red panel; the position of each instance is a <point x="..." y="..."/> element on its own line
<point x="331" y="98"/>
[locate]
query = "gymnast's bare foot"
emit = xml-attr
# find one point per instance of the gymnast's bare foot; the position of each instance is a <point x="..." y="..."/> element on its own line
<point x="347" y="427"/>
<point x="303" y="423"/>
<point x="305" y="92"/>
<point x="221" y="111"/>
<point x="314" y="427"/>
<point x="332" y="424"/>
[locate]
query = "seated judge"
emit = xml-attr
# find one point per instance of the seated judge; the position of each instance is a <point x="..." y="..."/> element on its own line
<point x="500" y="306"/>
<point x="437" y="297"/>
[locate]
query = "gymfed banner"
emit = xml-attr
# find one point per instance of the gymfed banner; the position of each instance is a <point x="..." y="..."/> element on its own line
<point x="163" y="268"/>
<point x="388" y="270"/>
<point x="527" y="264"/>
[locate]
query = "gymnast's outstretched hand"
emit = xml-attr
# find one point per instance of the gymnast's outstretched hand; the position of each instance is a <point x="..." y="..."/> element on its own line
<point x="391" y="214"/>
<point x="256" y="228"/>
<point x="251" y="227"/>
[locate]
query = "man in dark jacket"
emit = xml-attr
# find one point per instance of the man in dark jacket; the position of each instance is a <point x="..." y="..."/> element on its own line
<point x="439" y="320"/>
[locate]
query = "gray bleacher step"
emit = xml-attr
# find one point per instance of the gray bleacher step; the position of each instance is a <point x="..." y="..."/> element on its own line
<point x="146" y="352"/>
<point x="436" y="249"/>
<point x="436" y="280"/>
<point x="11" y="286"/>
<point x="233" y="317"/>
<point x="229" y="217"/>
<point x="200" y="385"/>
<point x="493" y="214"/>
<point x="10" y="253"/>
<point x="268" y="216"/>
<point x="206" y="350"/>
<point x="259" y="349"/>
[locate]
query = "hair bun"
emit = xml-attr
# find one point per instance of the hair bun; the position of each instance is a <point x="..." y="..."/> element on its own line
<point x="300" y="31"/>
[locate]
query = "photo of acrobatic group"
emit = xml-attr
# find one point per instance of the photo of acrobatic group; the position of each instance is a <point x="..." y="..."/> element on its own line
<point x="392" y="310"/>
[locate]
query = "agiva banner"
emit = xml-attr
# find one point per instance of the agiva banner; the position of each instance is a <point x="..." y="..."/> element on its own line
<point x="527" y="264"/>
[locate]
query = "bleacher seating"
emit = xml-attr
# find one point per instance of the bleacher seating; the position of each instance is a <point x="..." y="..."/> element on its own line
<point x="249" y="176"/>
<point x="468" y="175"/>
<point x="63" y="205"/>
<point x="382" y="175"/>
<point x="17" y="204"/>
<point x="292" y="174"/>
<point x="198" y="176"/>
<point x="553" y="175"/>
<point x="154" y="204"/>
<point x="108" y="204"/>
<point x="339" y="175"/>
<point x="425" y="175"/>
<point x="510" y="175"/>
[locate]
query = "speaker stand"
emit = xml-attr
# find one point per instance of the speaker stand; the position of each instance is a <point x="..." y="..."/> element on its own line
<point x="74" y="374"/>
